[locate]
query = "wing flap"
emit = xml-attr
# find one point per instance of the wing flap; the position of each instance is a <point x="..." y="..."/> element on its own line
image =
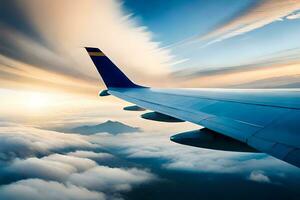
<point x="293" y="157"/>
<point x="230" y="127"/>
<point x="285" y="129"/>
<point x="281" y="151"/>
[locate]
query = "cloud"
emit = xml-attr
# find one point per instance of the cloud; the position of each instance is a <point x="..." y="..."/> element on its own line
<point x="273" y="60"/>
<point x="294" y="16"/>
<point x="79" y="173"/>
<point x="77" y="170"/>
<point x="264" y="13"/>
<point x="243" y="77"/>
<point x="38" y="168"/>
<point x="81" y="164"/>
<point x="291" y="81"/>
<point x="35" y="189"/>
<point x="264" y="70"/>
<point x="109" y="179"/>
<point x="21" y="141"/>
<point x="20" y="75"/>
<point x="259" y="176"/>
<point x="28" y="158"/>
<point x="54" y="167"/>
<point x="219" y="162"/>
<point x="69" y="172"/>
<point x="50" y="47"/>
<point x="180" y="157"/>
<point x="90" y="154"/>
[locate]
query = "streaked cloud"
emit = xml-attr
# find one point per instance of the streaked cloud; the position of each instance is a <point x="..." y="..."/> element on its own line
<point x="272" y="70"/>
<point x="294" y="16"/>
<point x="266" y="12"/>
<point x="242" y="77"/>
<point x="54" y="58"/>
<point x="289" y="81"/>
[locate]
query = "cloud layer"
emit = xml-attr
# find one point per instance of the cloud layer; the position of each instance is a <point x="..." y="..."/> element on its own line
<point x="48" y="52"/>
<point x="54" y="165"/>
<point x="179" y="157"/>
<point x="69" y="164"/>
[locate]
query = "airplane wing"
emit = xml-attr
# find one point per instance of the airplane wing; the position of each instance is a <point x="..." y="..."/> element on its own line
<point x="264" y="120"/>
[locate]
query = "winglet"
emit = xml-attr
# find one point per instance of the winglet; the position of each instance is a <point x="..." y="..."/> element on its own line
<point x="112" y="76"/>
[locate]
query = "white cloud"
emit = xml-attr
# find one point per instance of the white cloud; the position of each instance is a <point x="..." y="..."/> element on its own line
<point x="54" y="167"/>
<point x="181" y="157"/>
<point x="266" y="12"/>
<point x="18" y="142"/>
<point x="259" y="176"/>
<point x="21" y="141"/>
<point x="73" y="172"/>
<point x="81" y="164"/>
<point x="107" y="179"/>
<point x="36" y="189"/>
<point x="294" y="16"/>
<point x="39" y="168"/>
<point x="90" y="154"/>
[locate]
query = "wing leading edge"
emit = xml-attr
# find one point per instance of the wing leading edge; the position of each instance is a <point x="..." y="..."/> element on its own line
<point x="267" y="120"/>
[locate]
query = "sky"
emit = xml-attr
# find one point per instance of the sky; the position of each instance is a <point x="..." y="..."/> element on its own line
<point x="48" y="85"/>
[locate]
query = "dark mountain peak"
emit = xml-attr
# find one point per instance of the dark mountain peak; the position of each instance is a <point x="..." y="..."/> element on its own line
<point x="112" y="127"/>
<point x="110" y="122"/>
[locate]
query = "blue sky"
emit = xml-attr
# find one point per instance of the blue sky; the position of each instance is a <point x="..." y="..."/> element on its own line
<point x="178" y="19"/>
<point x="176" y="22"/>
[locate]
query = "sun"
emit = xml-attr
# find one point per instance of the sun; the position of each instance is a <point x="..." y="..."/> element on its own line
<point x="37" y="101"/>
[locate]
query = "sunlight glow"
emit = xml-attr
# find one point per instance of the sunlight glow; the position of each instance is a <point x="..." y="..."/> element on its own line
<point x="37" y="101"/>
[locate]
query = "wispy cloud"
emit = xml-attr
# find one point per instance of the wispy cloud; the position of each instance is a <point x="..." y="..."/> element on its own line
<point x="282" y="66"/>
<point x="53" y="56"/>
<point x="294" y="16"/>
<point x="264" y="13"/>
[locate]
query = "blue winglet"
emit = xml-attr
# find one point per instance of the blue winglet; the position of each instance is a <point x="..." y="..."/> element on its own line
<point x="112" y="76"/>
